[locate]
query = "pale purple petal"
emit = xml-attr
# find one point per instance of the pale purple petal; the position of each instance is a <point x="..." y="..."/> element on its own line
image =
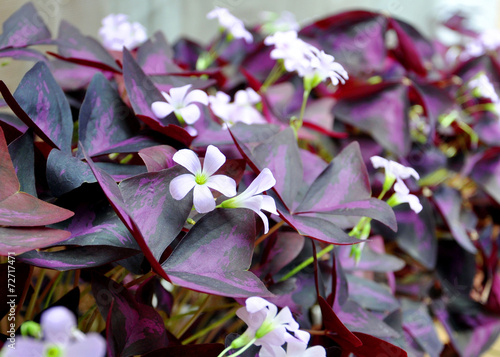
<point x="178" y="94"/>
<point x="315" y="351"/>
<point x="161" y="109"/>
<point x="264" y="219"/>
<point x="412" y="200"/>
<point x="196" y="95"/>
<point x="57" y="324"/>
<point x="379" y="162"/>
<point x="24" y="347"/>
<point x="191" y="131"/>
<point x="268" y="204"/>
<point x="256" y="303"/>
<point x="275" y="337"/>
<point x="190" y="113"/>
<point x="181" y="185"/>
<point x="285" y="318"/>
<point x="203" y="199"/>
<point x="253" y="320"/>
<point x="401" y="188"/>
<point x="93" y="345"/>
<point x="303" y="336"/>
<point x="188" y="159"/>
<point x="263" y="182"/>
<point x="272" y="351"/>
<point x="222" y="183"/>
<point x="214" y="159"/>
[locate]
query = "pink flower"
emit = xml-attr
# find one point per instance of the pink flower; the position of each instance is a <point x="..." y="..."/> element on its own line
<point x="201" y="180"/>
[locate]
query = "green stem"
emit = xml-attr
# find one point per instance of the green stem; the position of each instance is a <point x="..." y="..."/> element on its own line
<point x="296" y="124"/>
<point x="194" y="317"/>
<point x="51" y="292"/>
<point x="473" y="136"/>
<point x="307" y="262"/>
<point x="273" y="76"/>
<point x="209" y="328"/>
<point x="225" y="351"/>
<point x="38" y="286"/>
<point x="246" y="347"/>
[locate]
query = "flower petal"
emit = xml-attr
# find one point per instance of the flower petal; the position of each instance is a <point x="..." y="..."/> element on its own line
<point x="222" y="183"/>
<point x="214" y="159"/>
<point x="263" y="182"/>
<point x="379" y="162"/>
<point x="93" y="345"/>
<point x="57" y="324"/>
<point x="190" y="113"/>
<point x="268" y="204"/>
<point x="286" y="319"/>
<point x="196" y="95"/>
<point x="24" y="347"/>
<point x="256" y="303"/>
<point x="203" y="199"/>
<point x="264" y="219"/>
<point x="181" y="185"/>
<point x="178" y="95"/>
<point x="272" y="351"/>
<point x="161" y="109"/>
<point x="188" y="159"/>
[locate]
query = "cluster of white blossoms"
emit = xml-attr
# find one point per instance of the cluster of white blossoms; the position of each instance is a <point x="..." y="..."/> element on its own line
<point x="241" y="110"/>
<point x="394" y="171"/>
<point x="230" y="23"/>
<point x="202" y="179"/>
<point x="117" y="32"/>
<point x="271" y="329"/>
<point x="59" y="338"/>
<point x="489" y="40"/>
<point x="272" y="22"/>
<point x="482" y="87"/>
<point x="308" y="61"/>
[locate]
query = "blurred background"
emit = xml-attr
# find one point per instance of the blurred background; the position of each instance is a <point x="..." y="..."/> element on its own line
<point x="187" y="18"/>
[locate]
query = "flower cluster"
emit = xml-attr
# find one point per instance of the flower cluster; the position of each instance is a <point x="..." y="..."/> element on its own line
<point x="117" y="32"/>
<point x="482" y="87"/>
<point x="59" y="338"/>
<point x="278" y="23"/>
<point x="309" y="62"/>
<point x="394" y="171"/>
<point x="230" y="23"/>
<point x="271" y="329"/>
<point x="241" y="110"/>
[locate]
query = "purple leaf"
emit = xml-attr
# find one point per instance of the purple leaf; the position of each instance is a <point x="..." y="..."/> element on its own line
<point x="382" y="113"/>
<point x="45" y="103"/>
<point x="203" y="349"/>
<point x="65" y="172"/>
<point x="23" y="28"/>
<point x="373" y="346"/>
<point x="371" y="295"/>
<point x="73" y="77"/>
<point x="106" y="123"/>
<point x="153" y="288"/>
<point x="155" y="56"/>
<point x="23" y="54"/>
<point x="370" y="260"/>
<point x="77" y="48"/>
<point x="486" y="172"/>
<point x="223" y="242"/>
<point x="355" y="38"/>
<point x="135" y="328"/>
<point x="334" y="324"/>
<point x="76" y="257"/>
<point x="20" y="240"/>
<point x="159" y="216"/>
<point x="158" y="157"/>
<point x="12" y="126"/>
<point x="416" y="234"/>
<point x="21" y="151"/>
<point x="287" y="247"/>
<point x="448" y="201"/>
<point x="419" y="325"/>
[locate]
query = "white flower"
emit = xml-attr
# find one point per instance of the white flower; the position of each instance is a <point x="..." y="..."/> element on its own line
<point x="481" y="83"/>
<point x="310" y="63"/>
<point x="61" y="338"/>
<point x="117" y="32"/>
<point x="231" y="23"/>
<point x="274" y="23"/>
<point x="181" y="102"/>
<point x="266" y="327"/>
<point x="251" y="199"/>
<point x="398" y="172"/>
<point x="201" y="179"/>
<point x="294" y="348"/>
<point x="242" y="110"/>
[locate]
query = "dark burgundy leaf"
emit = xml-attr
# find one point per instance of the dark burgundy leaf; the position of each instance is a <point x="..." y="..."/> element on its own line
<point x="23" y="159"/>
<point x="486" y="172"/>
<point x="286" y="248"/>
<point x="153" y="288"/>
<point x="204" y="349"/>
<point x="223" y="240"/>
<point x="158" y="157"/>
<point x="333" y="324"/>
<point x="448" y="201"/>
<point x="20" y="240"/>
<point x="23" y="28"/>
<point x="71" y="44"/>
<point x="370" y="260"/>
<point x="371" y="295"/>
<point x="45" y="103"/>
<point x="76" y="257"/>
<point x="383" y="114"/>
<point x="136" y="328"/>
<point x="159" y="216"/>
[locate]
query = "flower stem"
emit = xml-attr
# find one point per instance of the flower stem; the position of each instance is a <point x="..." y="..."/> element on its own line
<point x="194" y="317"/>
<point x="225" y="351"/>
<point x="31" y="306"/>
<point x="296" y="124"/>
<point x="271" y="231"/>
<point x="244" y="348"/>
<point x="210" y="327"/>
<point x="307" y="262"/>
<point x="273" y="76"/>
<point x="55" y="283"/>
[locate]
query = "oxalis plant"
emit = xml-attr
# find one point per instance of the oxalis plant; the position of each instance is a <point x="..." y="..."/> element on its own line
<point x="282" y="191"/>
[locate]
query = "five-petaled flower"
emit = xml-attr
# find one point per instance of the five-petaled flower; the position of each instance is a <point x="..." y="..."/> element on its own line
<point x="181" y="103"/>
<point x="117" y="32"/>
<point x="251" y="199"/>
<point x="266" y="327"/>
<point x="60" y="337"/>
<point x="295" y="347"/>
<point x="201" y="180"/>
<point x="231" y="23"/>
<point x="394" y="171"/>
<point x="241" y="110"/>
